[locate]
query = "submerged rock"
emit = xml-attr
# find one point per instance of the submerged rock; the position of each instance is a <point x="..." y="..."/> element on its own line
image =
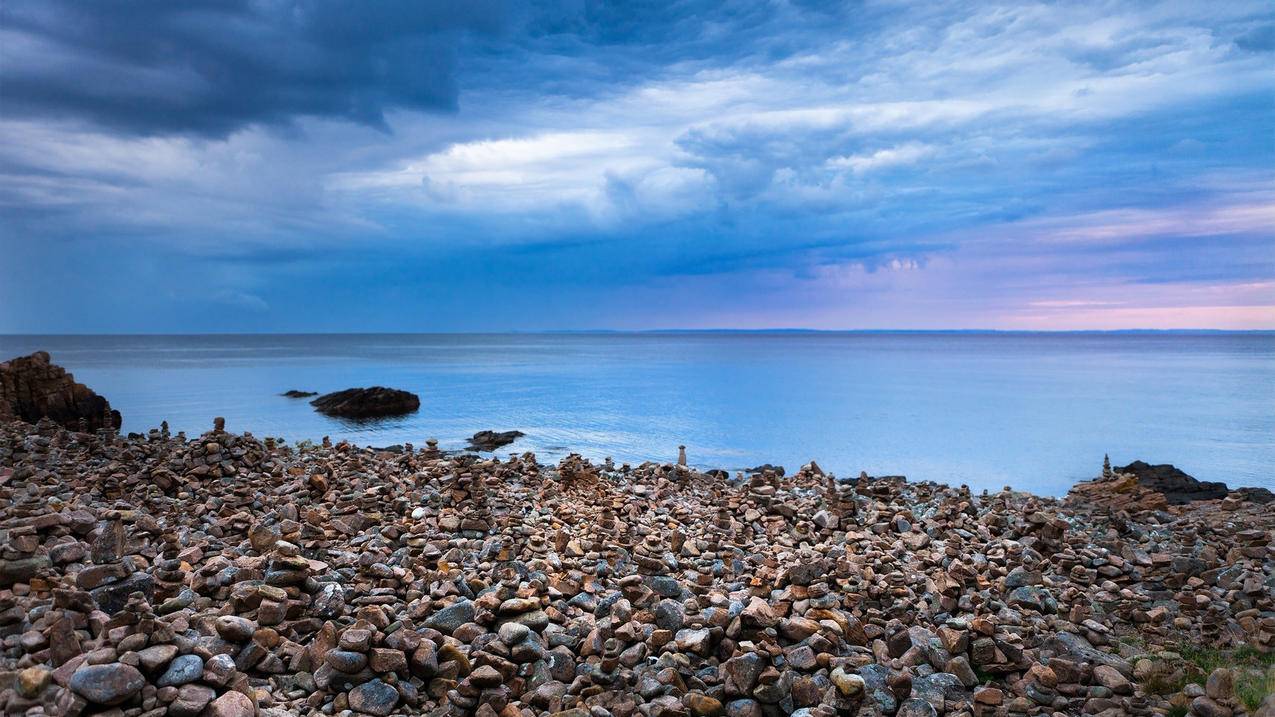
<point x="374" y="402"/>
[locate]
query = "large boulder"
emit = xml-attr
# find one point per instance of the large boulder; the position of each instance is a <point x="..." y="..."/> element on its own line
<point x="373" y="402"/>
<point x="32" y="387"/>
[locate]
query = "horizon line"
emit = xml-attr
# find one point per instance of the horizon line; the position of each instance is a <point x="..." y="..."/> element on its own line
<point x="542" y="332"/>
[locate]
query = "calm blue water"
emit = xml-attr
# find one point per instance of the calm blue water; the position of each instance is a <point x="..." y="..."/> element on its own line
<point x="1035" y="411"/>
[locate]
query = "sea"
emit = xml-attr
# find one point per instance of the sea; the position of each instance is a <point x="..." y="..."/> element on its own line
<point x="1035" y="411"/>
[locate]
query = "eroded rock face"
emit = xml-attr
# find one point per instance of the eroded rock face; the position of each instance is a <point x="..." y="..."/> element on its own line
<point x="32" y="387"/>
<point x="374" y="402"/>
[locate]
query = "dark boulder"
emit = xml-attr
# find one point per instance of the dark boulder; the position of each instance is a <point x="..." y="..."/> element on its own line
<point x="491" y="440"/>
<point x="31" y="388"/>
<point x="1176" y="486"/>
<point x="1255" y="495"/>
<point x="777" y="470"/>
<point x="373" y="402"/>
<point x="294" y="393"/>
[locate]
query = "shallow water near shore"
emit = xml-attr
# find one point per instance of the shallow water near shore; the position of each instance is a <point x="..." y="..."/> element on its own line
<point x="1034" y="411"/>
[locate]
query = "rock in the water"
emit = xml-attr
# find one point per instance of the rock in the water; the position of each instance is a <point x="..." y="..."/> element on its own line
<point x="373" y="402"/>
<point x="487" y="441"/>
<point x="32" y="388"/>
<point x="294" y="393"/>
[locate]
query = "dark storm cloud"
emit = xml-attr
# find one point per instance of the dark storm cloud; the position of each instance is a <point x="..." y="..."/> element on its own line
<point x="212" y="67"/>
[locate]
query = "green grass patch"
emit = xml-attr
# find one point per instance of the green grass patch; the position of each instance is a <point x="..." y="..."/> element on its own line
<point x="1162" y="684"/>
<point x="1253" y="671"/>
<point x="1252" y="687"/>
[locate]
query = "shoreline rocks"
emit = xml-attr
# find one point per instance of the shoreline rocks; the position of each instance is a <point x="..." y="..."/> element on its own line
<point x="1140" y="487"/>
<point x="1177" y="487"/>
<point x="374" y="402"/>
<point x="233" y="576"/>
<point x="294" y="393"/>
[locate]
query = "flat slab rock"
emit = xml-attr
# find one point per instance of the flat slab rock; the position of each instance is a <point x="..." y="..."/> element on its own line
<point x="374" y="402"/>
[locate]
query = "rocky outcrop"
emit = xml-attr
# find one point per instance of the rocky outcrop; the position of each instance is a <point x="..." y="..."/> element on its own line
<point x="374" y="402"/>
<point x="1141" y="487"/>
<point x="1177" y="487"/>
<point x="1261" y="496"/>
<point x="487" y="441"/>
<point x="1116" y="493"/>
<point x="32" y="387"/>
<point x="294" y="393"/>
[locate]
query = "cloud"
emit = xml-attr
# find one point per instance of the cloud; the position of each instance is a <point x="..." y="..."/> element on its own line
<point x="241" y="300"/>
<point x="547" y="164"/>
<point x="882" y="158"/>
<point x="1249" y="215"/>
<point x="211" y="68"/>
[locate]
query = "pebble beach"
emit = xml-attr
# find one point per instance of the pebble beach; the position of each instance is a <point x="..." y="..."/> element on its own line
<point x="229" y="575"/>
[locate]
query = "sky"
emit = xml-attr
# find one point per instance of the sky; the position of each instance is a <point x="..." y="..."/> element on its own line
<point x="273" y="166"/>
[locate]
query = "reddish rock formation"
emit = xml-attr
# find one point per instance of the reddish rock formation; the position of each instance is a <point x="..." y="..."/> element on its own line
<point x="31" y="388"/>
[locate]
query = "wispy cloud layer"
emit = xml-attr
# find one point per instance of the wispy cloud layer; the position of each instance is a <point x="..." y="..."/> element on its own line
<point x="501" y="166"/>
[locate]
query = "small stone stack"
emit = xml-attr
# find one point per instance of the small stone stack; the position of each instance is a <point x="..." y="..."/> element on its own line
<point x="465" y="506"/>
<point x="170" y="572"/>
<point x="112" y="575"/>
